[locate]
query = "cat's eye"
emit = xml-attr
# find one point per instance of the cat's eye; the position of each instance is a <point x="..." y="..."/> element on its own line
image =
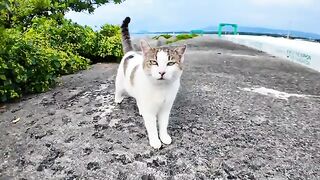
<point x="152" y="62"/>
<point x="170" y="63"/>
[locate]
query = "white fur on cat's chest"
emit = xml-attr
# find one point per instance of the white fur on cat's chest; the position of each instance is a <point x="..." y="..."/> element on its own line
<point x="158" y="96"/>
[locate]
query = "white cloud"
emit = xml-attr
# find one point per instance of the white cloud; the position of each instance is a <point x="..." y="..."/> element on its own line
<point x="111" y="13"/>
<point x="285" y="3"/>
<point x="169" y="15"/>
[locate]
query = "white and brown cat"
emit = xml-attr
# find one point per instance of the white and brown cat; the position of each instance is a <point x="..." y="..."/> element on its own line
<point x="153" y="79"/>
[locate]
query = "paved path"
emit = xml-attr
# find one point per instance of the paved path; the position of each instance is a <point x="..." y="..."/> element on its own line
<point x="220" y="127"/>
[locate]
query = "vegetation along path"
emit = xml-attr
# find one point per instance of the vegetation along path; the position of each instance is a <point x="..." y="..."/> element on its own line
<point x="240" y="114"/>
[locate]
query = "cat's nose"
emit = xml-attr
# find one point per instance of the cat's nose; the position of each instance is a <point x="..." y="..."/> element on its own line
<point x="162" y="73"/>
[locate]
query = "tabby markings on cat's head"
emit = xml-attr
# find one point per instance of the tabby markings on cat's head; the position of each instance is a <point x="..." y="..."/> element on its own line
<point x="163" y="63"/>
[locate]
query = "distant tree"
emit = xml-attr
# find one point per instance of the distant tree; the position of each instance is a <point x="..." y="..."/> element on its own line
<point x="21" y="12"/>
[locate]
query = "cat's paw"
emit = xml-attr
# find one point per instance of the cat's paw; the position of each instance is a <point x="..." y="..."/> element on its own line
<point x="118" y="100"/>
<point x="166" y="139"/>
<point x="155" y="143"/>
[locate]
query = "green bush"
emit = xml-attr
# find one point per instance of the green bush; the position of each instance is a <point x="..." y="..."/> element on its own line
<point x="37" y="44"/>
<point x="69" y="36"/>
<point x="30" y="61"/>
<point x="108" y="30"/>
<point x="182" y="37"/>
<point x="64" y="36"/>
<point x="109" y="42"/>
<point x="29" y="65"/>
<point x="185" y="36"/>
<point x="166" y="36"/>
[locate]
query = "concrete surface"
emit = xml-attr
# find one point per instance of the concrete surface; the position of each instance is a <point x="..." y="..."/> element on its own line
<point x="219" y="130"/>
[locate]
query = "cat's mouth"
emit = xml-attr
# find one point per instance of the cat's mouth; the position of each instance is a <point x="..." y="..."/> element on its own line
<point x="161" y="78"/>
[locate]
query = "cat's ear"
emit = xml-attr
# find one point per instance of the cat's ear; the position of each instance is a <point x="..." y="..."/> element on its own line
<point x="145" y="47"/>
<point x="181" y="49"/>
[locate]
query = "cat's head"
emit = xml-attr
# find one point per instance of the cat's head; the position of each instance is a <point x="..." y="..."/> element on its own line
<point x="162" y="64"/>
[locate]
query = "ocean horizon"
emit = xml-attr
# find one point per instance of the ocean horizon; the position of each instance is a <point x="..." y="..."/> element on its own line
<point x="313" y="38"/>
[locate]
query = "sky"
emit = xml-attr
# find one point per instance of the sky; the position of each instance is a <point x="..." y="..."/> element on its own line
<point x="175" y="15"/>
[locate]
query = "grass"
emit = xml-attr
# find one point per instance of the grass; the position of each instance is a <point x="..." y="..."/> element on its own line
<point x="166" y="36"/>
<point x="177" y="38"/>
<point x="182" y="37"/>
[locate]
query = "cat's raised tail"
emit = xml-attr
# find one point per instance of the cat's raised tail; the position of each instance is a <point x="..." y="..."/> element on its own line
<point x="126" y="41"/>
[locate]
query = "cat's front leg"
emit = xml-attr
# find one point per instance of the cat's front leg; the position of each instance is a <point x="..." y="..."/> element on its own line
<point x="163" y="120"/>
<point x="150" y="122"/>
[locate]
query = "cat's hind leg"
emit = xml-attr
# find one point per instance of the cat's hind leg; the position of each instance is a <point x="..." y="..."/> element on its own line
<point x="119" y="89"/>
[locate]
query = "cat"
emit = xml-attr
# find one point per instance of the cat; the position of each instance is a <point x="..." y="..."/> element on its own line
<point x="153" y="79"/>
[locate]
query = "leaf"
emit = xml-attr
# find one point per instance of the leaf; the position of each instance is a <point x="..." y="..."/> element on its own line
<point x="3" y="77"/>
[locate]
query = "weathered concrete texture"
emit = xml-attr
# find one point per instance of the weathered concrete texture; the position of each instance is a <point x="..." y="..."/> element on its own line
<point x="75" y="131"/>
